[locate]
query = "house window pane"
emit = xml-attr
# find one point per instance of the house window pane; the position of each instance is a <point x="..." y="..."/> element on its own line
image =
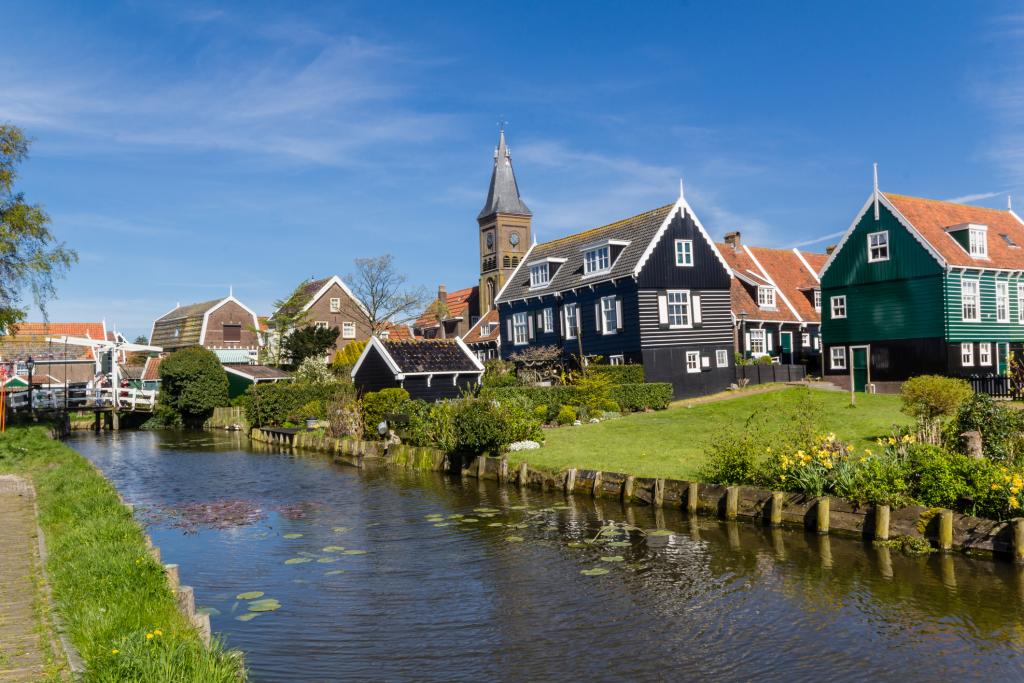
<point x="817" y="300"/>
<point x="985" y="354"/>
<point x="520" y="328"/>
<point x="540" y="274"/>
<point x="693" y="361"/>
<point x="232" y="332"/>
<point x="967" y="354"/>
<point x="609" y="321"/>
<point x="722" y="358"/>
<point x="597" y="260"/>
<point x="1003" y="302"/>
<point x="766" y="297"/>
<point x="335" y="305"/>
<point x="684" y="252"/>
<point x="348" y="330"/>
<point x="969" y="300"/>
<point x="839" y="306"/>
<point x="878" y="246"/>
<point x="978" y="240"/>
<point x="549" y="320"/>
<point x="757" y="342"/>
<point x="571" y="321"/>
<point x="678" y="308"/>
<point x="838" y="357"/>
<point x="321" y="325"/>
<point x="616" y="360"/>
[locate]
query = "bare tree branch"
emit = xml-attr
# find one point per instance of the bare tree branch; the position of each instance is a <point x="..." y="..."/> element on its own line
<point x="383" y="291"/>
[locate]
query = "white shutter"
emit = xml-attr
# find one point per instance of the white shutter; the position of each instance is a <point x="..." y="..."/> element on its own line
<point x="529" y="326"/>
<point x="662" y="309"/>
<point x="696" y="310"/>
<point x="509" y="326"/>
<point x="561" y="322"/>
<point x="767" y="340"/>
<point x="618" y="313"/>
<point x="597" y="314"/>
<point x="746" y="341"/>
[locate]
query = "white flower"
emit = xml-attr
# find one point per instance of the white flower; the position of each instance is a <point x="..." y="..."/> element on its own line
<point x="523" y="446"/>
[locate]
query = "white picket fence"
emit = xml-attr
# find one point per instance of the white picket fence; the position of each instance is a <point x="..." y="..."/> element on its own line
<point x="135" y="400"/>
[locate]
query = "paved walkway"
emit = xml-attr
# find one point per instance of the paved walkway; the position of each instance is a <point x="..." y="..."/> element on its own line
<point x="24" y="647"/>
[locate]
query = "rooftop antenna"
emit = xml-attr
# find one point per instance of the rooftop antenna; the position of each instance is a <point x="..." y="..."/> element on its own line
<point x="231" y="290"/>
<point x="681" y="188"/>
<point x="875" y="191"/>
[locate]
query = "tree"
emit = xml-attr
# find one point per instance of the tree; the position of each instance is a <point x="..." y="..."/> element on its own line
<point x="192" y="384"/>
<point x="930" y="398"/>
<point x="30" y="259"/>
<point x="383" y="292"/>
<point x="142" y="339"/>
<point x="308" y="342"/>
<point x="438" y="310"/>
<point x="288" y="316"/>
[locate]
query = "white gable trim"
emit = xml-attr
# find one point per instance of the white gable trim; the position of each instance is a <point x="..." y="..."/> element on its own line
<point x="229" y="298"/>
<point x="778" y="290"/>
<point x="899" y="217"/>
<point x="335" y="280"/>
<point x="472" y="356"/>
<point x="807" y="265"/>
<point x="522" y="262"/>
<point x="375" y="343"/>
<point x="680" y="205"/>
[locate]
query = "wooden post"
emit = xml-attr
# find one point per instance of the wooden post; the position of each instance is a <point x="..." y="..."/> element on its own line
<point x="659" y="492"/>
<point x="946" y="531"/>
<point x="825" y="551"/>
<point x="732" y="531"/>
<point x="523" y="474"/>
<point x="570" y="480"/>
<point x="202" y="624"/>
<point x="481" y="466"/>
<point x="596" y="490"/>
<point x="1018" y="540"/>
<point x="186" y="600"/>
<point x="732" y="497"/>
<point x="173" y="578"/>
<point x="503" y="470"/>
<point x="881" y="522"/>
<point x="627" y="489"/>
<point x="823" y="514"/>
<point x="692" y="497"/>
<point x="778" y="498"/>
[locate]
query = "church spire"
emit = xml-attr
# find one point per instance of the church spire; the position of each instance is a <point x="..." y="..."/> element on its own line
<point x="503" y="194"/>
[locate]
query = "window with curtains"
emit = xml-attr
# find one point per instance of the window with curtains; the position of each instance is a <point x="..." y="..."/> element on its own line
<point x="609" y="316"/>
<point x="597" y="260"/>
<point x="967" y="354"/>
<point x="571" y="313"/>
<point x="878" y="246"/>
<point x="520" y="328"/>
<point x="549" y="320"/>
<point x="838" y="357"/>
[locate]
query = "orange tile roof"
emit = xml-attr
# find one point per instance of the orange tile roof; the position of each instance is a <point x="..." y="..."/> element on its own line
<point x="90" y="330"/>
<point x="781" y="266"/>
<point x="151" y="370"/>
<point x="457" y="302"/>
<point x="931" y="217"/>
<point x="399" y="333"/>
<point x="491" y="320"/>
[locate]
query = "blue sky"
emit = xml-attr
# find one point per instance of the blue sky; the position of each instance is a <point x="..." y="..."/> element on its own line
<point x="185" y="148"/>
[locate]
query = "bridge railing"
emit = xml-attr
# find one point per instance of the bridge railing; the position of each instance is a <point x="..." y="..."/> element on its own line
<point x="135" y="400"/>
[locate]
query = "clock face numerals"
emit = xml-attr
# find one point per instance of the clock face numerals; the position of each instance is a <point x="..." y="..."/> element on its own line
<point x="513" y="239"/>
<point x="490" y="240"/>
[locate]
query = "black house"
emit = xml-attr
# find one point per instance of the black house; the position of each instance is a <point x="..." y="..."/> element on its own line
<point x="431" y="370"/>
<point x="651" y="289"/>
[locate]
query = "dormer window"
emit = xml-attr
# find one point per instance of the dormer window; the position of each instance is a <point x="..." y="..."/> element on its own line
<point x="817" y="300"/>
<point x="878" y="246"/>
<point x="540" y="275"/>
<point x="597" y="260"/>
<point x="978" y="242"/>
<point x="766" y="297"/>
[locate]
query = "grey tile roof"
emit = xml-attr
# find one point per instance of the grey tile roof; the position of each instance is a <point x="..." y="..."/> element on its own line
<point x="638" y="231"/>
<point x="430" y="356"/>
<point x="503" y="194"/>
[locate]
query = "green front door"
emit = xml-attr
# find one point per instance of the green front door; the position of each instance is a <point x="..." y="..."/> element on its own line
<point x="786" y="342"/>
<point x="860" y="368"/>
<point x="1002" y="353"/>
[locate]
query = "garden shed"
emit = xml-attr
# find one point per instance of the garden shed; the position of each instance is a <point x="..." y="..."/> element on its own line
<point x="429" y="369"/>
<point x="241" y="377"/>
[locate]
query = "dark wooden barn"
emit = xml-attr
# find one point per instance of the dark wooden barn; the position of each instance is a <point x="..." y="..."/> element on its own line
<point x="430" y="369"/>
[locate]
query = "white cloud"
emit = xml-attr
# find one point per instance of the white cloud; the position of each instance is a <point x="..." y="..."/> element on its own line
<point x="968" y="198"/>
<point x="819" y="239"/>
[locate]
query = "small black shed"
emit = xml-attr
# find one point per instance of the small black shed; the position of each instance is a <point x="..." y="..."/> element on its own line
<point x="429" y="369"/>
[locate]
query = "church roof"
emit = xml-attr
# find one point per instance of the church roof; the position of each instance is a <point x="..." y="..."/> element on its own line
<point x="503" y="194"/>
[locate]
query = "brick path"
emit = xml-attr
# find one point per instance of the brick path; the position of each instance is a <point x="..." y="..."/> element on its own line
<point x="23" y="645"/>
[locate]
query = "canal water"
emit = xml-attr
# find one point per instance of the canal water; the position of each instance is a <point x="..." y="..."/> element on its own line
<point x="416" y="576"/>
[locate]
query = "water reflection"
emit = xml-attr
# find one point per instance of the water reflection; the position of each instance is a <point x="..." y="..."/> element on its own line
<point x="713" y="600"/>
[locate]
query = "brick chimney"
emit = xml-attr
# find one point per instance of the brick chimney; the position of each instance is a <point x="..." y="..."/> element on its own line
<point x="829" y="249"/>
<point x="733" y="239"/>
<point x="442" y="294"/>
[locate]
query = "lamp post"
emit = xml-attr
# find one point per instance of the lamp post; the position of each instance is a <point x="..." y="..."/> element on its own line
<point x="30" y="364"/>
<point x="740" y="342"/>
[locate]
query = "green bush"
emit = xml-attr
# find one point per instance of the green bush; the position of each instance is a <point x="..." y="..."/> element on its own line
<point x="417" y="431"/>
<point x="763" y="360"/>
<point x="566" y="415"/>
<point x="378" y="404"/>
<point x="1000" y="427"/>
<point x="541" y="412"/>
<point x="939" y="478"/>
<point x="499" y="373"/>
<point x="444" y="433"/>
<point x="734" y="460"/>
<point x="930" y="398"/>
<point x="879" y="480"/>
<point x="272" y="404"/>
<point x="635" y="397"/>
<point x="310" y="410"/>
<point x="192" y="384"/>
<point x="485" y="426"/>
<point x="621" y="374"/>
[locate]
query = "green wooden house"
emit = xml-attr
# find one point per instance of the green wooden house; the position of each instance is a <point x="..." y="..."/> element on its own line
<point x="920" y="286"/>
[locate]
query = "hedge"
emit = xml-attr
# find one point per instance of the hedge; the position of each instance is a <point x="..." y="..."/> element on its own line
<point x="272" y="404"/>
<point x="634" y="397"/>
<point x="630" y="397"/>
<point x="621" y="374"/>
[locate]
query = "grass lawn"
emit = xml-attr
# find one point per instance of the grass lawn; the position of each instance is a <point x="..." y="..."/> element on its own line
<point x="671" y="443"/>
<point x="108" y="590"/>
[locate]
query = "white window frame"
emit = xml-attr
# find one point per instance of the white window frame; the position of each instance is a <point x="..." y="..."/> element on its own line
<point x="977" y="242"/>
<point x="684" y="253"/>
<point x="335" y="304"/>
<point x="692" y="361"/>
<point x="1002" y="301"/>
<point x="617" y="359"/>
<point x="970" y="303"/>
<point x="817" y="300"/>
<point x="967" y="354"/>
<point x="571" y="319"/>
<point x="838" y="306"/>
<point x="878" y="246"/>
<point x="766" y="296"/>
<point x="348" y="330"/>
<point x="805" y="340"/>
<point x="597" y="260"/>
<point x="837" y="361"/>
<point x="322" y="325"/>
<point x="609" y="315"/>
<point x="985" y="353"/>
<point x="678" y="309"/>
<point x="549" y="319"/>
<point x="1020" y="303"/>
<point x="758" y="338"/>
<point x="520" y="328"/>
<point x="722" y="358"/>
<point x="540" y="275"/>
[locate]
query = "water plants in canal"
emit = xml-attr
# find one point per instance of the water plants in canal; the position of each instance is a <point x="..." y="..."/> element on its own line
<point x="596" y="571"/>
<point x="249" y="595"/>
<point x="298" y="560"/>
<point x="291" y="536"/>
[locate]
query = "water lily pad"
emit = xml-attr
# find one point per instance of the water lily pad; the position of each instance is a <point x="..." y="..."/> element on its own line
<point x="292" y="536"/>
<point x="265" y="605"/>
<point x="456" y="516"/>
<point x="212" y="611"/>
<point x="334" y="572"/>
<point x="596" y="571"/>
<point x="487" y="515"/>
<point x="341" y="529"/>
<point x="658" y="532"/>
<point x="485" y="510"/>
<point x="443" y="524"/>
<point x="469" y="520"/>
<point x="577" y="544"/>
<point x="250" y="595"/>
<point x="354" y="552"/>
<point x="248" y="616"/>
<point x="520" y="525"/>
<point x="327" y="560"/>
<point x="613" y="558"/>
<point x="620" y="544"/>
<point x="298" y="560"/>
<point x="496" y="524"/>
<point x="560" y="507"/>
<point x="333" y="548"/>
<point x="519" y="507"/>
<point x="514" y="539"/>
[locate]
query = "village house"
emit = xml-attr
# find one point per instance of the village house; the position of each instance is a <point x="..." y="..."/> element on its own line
<point x="650" y="289"/>
<point x="484" y="338"/>
<point x="431" y="370"/>
<point x="451" y="314"/>
<point x="919" y="286"/>
<point x="221" y="324"/>
<point x="329" y="303"/>
<point x="776" y="302"/>
<point x="55" y="364"/>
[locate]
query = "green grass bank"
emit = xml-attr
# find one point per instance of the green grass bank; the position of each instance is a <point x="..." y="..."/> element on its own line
<point x="671" y="443"/>
<point x="114" y="599"/>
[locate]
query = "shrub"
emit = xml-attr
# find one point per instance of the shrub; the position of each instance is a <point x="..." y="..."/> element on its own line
<point x="541" y="412"/>
<point x="193" y="383"/>
<point x="310" y="410"/>
<point x="733" y="460"/>
<point x="763" y="360"/>
<point x="378" y="404"/>
<point x="566" y="415"/>
<point x="929" y="398"/>
<point x="498" y="373"/>
<point x="443" y="431"/>
<point x="484" y="426"/>
<point x="314" y="371"/>
<point x="271" y="404"/>
<point x="880" y="480"/>
<point x="416" y="432"/>
<point x="939" y="478"/>
<point x="592" y="388"/>
<point x="621" y="374"/>
<point x="635" y="397"/>
<point x="1000" y="428"/>
<point x="346" y="416"/>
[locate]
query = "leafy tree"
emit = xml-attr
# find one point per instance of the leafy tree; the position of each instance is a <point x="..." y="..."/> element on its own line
<point x="29" y="256"/>
<point x="288" y="316"/>
<point x="193" y="383"/>
<point x="308" y="342"/>
<point x="930" y="398"/>
<point x="350" y="354"/>
<point x="314" y="370"/>
<point x="142" y="339"/>
<point x="383" y="292"/>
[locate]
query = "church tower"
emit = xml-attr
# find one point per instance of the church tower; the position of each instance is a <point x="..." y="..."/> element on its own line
<point x="505" y="234"/>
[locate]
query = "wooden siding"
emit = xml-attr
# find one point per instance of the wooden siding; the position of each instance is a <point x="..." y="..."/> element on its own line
<point x="716" y="315"/>
<point x="894" y="309"/>
<point x="986" y="329"/>
<point x="440" y="388"/>
<point x="661" y="271"/>
<point x="374" y="374"/>
<point x="669" y="365"/>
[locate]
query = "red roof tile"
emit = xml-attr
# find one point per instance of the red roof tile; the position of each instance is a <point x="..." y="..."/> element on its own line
<point x="786" y="270"/>
<point x="151" y="370"/>
<point x="90" y="330"/>
<point x="457" y="302"/>
<point x="491" y="322"/>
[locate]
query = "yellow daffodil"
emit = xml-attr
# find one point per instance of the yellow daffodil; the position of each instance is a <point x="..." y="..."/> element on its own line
<point x="149" y="636"/>
<point x="782" y="477"/>
<point x="1013" y="502"/>
<point x="892" y="441"/>
<point x="996" y="487"/>
<point x="114" y="651"/>
<point x="868" y="451"/>
<point x="158" y="632"/>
